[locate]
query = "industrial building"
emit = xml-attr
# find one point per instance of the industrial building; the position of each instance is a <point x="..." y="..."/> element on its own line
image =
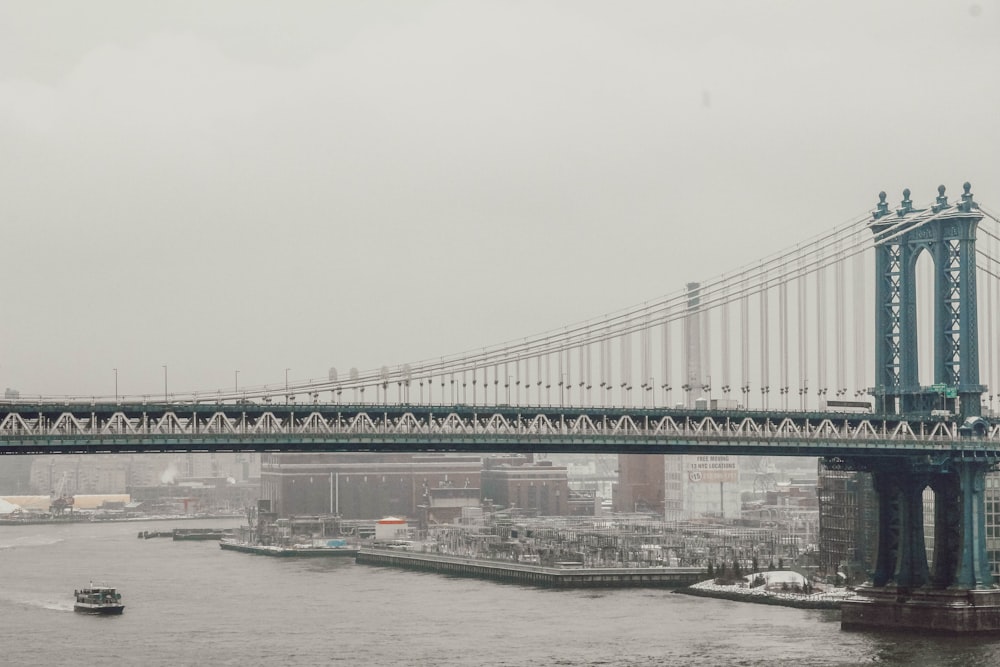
<point x="362" y="485"/>
<point x="536" y="488"/>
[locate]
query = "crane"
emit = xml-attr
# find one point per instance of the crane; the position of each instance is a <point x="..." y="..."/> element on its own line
<point x="60" y="501"/>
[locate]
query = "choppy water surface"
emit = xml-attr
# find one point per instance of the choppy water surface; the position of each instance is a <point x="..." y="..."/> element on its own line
<point x="191" y="603"/>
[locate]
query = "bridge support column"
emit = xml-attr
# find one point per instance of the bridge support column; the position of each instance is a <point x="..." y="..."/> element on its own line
<point x="958" y="596"/>
<point x="901" y="558"/>
<point x="973" y="563"/>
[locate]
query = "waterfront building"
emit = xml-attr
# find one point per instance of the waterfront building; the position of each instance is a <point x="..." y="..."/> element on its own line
<point x="711" y="486"/>
<point x="116" y="473"/>
<point x="641" y="483"/>
<point x="448" y="504"/>
<point x="194" y="496"/>
<point x="993" y="523"/>
<point x="848" y="523"/>
<point x="362" y="485"/>
<point x="673" y="488"/>
<point x="679" y="487"/>
<point x="538" y="488"/>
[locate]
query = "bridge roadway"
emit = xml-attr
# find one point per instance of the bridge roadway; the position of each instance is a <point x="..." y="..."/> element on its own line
<point x="79" y="428"/>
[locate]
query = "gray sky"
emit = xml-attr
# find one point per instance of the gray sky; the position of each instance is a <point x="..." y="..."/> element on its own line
<point x="261" y="186"/>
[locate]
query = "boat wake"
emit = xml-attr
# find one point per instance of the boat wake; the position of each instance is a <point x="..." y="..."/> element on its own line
<point x="30" y="541"/>
<point x="51" y="605"/>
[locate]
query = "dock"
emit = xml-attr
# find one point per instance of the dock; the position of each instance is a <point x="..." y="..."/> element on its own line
<point x="201" y="533"/>
<point x="188" y="533"/>
<point x="534" y="575"/>
<point x="298" y="551"/>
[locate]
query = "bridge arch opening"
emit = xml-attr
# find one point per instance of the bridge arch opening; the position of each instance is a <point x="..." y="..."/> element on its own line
<point x="925" y="335"/>
<point x="928" y="502"/>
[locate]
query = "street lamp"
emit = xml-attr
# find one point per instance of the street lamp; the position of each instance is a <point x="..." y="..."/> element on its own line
<point x="164" y="383"/>
<point x="116" y="385"/>
<point x="236" y="383"/>
<point x="286" y="385"/>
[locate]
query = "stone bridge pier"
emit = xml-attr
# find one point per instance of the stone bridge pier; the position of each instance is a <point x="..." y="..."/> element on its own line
<point x="954" y="593"/>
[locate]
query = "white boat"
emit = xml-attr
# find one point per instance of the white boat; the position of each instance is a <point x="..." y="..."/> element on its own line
<point x="98" y="600"/>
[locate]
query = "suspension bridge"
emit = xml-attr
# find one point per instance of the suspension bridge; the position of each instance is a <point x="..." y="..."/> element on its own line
<point x="860" y="345"/>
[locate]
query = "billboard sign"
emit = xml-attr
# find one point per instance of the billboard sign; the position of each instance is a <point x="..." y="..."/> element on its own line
<point x="711" y="469"/>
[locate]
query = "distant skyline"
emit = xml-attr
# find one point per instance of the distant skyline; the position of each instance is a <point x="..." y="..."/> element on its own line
<point x="254" y="187"/>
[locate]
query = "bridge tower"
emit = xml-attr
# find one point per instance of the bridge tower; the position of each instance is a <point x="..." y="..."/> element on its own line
<point x="948" y="234"/>
<point x="955" y="591"/>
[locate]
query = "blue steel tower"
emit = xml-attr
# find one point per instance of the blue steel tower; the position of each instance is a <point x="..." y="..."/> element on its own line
<point x="954" y="592"/>
<point x="948" y="234"/>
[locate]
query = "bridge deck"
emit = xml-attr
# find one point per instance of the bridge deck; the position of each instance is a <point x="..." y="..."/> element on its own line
<point x="47" y="428"/>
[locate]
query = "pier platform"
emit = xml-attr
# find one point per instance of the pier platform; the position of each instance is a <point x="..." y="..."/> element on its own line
<point x="534" y="575"/>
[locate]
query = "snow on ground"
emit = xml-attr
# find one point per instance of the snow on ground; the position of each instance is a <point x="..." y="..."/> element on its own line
<point x="773" y="588"/>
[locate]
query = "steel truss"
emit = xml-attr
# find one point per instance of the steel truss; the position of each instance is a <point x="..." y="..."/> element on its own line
<point x="461" y="428"/>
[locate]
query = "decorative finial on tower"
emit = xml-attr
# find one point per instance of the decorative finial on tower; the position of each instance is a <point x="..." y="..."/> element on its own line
<point x="968" y="204"/>
<point x="883" y="208"/>
<point x="941" y="202"/>
<point x="906" y="206"/>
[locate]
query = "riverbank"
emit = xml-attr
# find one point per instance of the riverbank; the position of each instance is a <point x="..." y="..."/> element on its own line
<point x="827" y="599"/>
<point x="81" y="517"/>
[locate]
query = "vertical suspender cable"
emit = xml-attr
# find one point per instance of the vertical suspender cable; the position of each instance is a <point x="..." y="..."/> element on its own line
<point x="783" y="338"/>
<point x="840" y="318"/>
<point x="858" y="322"/>
<point x="765" y="385"/>
<point x="803" y="347"/>
<point x="991" y="311"/>
<point x="686" y="361"/>
<point x="527" y="381"/>
<point x="561" y="384"/>
<point x="621" y="367"/>
<point x="665" y="381"/>
<point x="569" y="376"/>
<point x="821" y="333"/>
<point x="629" y="369"/>
<point x="993" y="316"/>
<point x="538" y="380"/>
<point x="706" y="351"/>
<point x="647" y="361"/>
<point x="724" y="342"/>
<point x="548" y="378"/>
<point x="625" y="364"/>
<point x="506" y="379"/>
<point x="568" y="365"/>
<point x="745" y="344"/>
<point x="604" y="370"/>
<point x="989" y="328"/>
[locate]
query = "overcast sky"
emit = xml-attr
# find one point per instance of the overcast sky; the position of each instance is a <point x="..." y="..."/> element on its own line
<point x="221" y="186"/>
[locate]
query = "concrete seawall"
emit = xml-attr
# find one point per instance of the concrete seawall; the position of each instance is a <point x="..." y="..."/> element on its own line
<point x="534" y="575"/>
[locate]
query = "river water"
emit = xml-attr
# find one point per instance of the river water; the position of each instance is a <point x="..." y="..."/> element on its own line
<point x="190" y="603"/>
